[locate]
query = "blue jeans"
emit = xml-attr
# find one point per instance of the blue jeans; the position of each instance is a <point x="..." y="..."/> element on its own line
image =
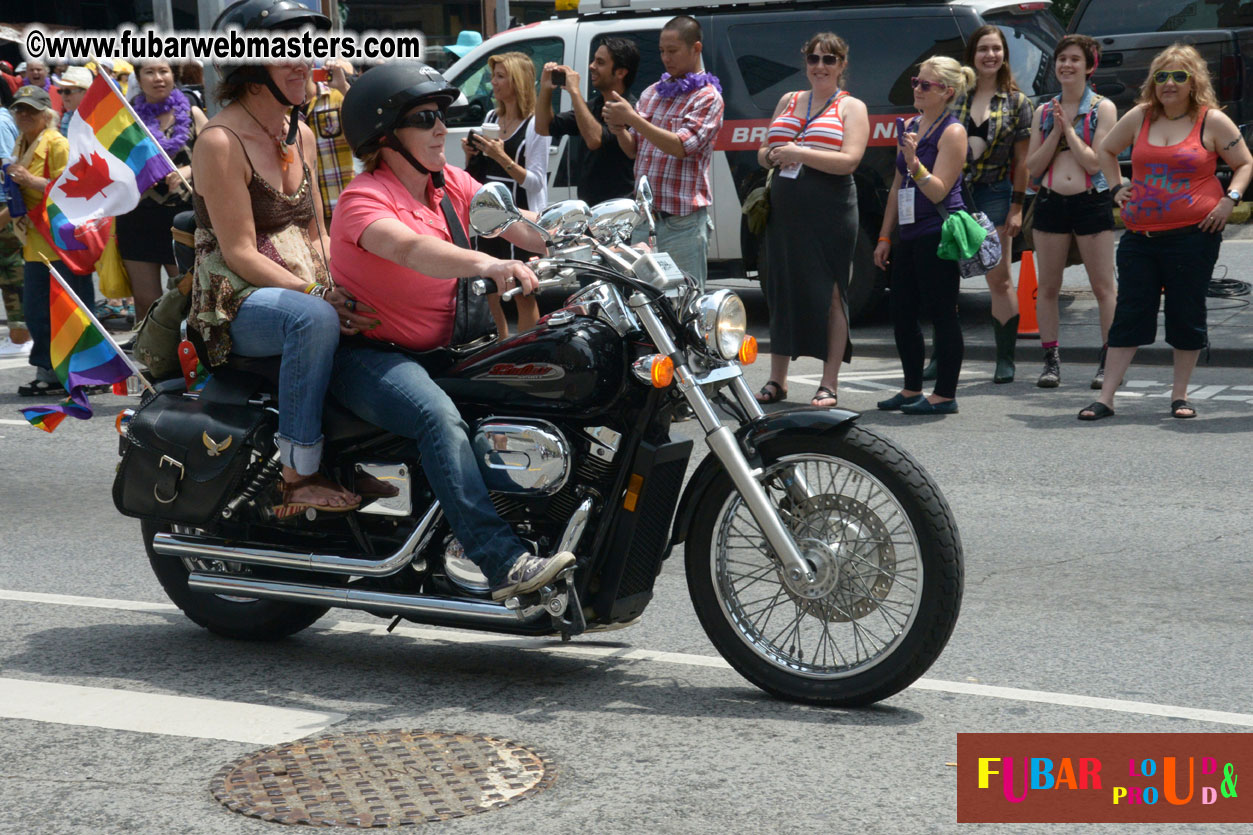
<point x="686" y="239"/>
<point x="396" y="393"/>
<point x="305" y="331"/>
<point x="35" y="278"/>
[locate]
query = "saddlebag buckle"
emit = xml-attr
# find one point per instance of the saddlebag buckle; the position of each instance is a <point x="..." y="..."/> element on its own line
<point x="167" y="481"/>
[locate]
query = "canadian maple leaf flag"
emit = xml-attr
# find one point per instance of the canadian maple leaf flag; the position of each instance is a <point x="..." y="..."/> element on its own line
<point x="113" y="160"/>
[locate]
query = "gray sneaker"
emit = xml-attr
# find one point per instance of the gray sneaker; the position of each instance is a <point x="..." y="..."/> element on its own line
<point x="1052" y="376"/>
<point x="530" y="572"/>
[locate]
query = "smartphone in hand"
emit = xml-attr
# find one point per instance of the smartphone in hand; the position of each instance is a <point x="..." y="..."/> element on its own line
<point x="472" y="139"/>
<point x="900" y="129"/>
<point x="559" y="78"/>
<point x="321" y="74"/>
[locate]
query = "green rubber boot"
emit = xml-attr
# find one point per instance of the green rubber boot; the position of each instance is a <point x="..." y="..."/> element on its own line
<point x="1006" y="338"/>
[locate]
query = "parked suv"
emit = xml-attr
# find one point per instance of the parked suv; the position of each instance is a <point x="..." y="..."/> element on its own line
<point x="1221" y="32"/>
<point x="755" y="52"/>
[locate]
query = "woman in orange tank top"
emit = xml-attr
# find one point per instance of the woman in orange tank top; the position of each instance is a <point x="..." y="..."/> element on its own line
<point x="1174" y="212"/>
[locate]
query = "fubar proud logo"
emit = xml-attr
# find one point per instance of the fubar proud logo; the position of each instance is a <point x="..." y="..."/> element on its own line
<point x="1103" y="778"/>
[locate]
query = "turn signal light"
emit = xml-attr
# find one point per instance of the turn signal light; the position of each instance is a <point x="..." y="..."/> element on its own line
<point x="748" y="351"/>
<point x="661" y="371"/>
<point x="123" y="418"/>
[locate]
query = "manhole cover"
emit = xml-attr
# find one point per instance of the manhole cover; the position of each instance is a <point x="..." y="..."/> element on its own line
<point x="382" y="778"/>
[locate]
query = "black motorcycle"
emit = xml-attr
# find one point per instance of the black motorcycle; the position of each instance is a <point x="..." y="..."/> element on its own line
<point x="822" y="560"/>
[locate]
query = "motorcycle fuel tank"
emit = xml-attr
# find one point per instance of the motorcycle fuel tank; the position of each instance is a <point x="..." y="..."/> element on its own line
<point x="567" y="364"/>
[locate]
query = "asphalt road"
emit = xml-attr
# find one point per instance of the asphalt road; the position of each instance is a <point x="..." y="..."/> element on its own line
<point x="1105" y="560"/>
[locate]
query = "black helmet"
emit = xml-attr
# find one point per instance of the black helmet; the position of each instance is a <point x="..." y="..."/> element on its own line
<point x="265" y="16"/>
<point x="383" y="94"/>
<point x="270" y="14"/>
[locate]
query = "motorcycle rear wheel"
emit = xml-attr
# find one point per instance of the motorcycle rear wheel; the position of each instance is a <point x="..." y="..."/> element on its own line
<point x="887" y="554"/>
<point x="241" y="618"/>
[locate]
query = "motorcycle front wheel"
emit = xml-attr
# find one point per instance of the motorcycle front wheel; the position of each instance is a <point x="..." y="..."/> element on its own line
<point x="243" y="618"/>
<point x="884" y="549"/>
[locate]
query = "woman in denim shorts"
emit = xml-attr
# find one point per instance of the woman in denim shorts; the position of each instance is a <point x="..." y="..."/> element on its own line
<point x="1174" y="211"/>
<point x="997" y="117"/>
<point x="1073" y="197"/>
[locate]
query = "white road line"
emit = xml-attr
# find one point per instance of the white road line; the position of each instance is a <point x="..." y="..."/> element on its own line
<point x="15" y="362"/>
<point x="627" y="654"/>
<point x="154" y="713"/>
<point x="9" y="422"/>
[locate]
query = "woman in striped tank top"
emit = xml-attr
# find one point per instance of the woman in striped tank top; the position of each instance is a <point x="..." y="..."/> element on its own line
<point x="1174" y="213"/>
<point x="815" y="143"/>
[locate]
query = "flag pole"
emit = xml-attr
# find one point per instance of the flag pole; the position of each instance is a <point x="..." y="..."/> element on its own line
<point x="117" y="92"/>
<point x="92" y="316"/>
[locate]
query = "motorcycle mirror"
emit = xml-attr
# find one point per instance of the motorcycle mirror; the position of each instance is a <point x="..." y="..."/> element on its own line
<point x="644" y="199"/>
<point x="492" y="210"/>
<point x="614" y="221"/>
<point x="564" y="219"/>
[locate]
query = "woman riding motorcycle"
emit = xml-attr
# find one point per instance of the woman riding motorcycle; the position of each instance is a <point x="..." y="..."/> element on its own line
<point x="392" y="249"/>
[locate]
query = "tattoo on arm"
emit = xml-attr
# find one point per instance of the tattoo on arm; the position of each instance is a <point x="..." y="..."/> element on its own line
<point x="1233" y="143"/>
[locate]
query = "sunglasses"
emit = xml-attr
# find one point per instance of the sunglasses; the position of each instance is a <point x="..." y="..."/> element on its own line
<point x="423" y="119"/>
<point x="813" y="59"/>
<point x="925" y="86"/>
<point x="1178" y="76"/>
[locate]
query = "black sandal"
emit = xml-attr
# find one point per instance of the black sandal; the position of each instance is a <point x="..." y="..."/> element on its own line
<point x="824" y="393"/>
<point x="766" y="396"/>
<point x="1097" y="409"/>
<point x="1177" y="406"/>
<point x="42" y="388"/>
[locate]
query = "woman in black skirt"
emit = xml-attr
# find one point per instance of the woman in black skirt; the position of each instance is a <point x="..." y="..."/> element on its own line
<point x="143" y="234"/>
<point x="815" y="143"/>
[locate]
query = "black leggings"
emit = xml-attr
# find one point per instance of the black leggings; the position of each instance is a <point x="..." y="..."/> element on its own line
<point x="924" y="283"/>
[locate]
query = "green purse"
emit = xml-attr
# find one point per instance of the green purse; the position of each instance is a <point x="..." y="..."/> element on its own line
<point x="756" y="206"/>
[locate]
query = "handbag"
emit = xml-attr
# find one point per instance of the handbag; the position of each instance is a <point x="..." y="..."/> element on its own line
<point x="156" y="343"/>
<point x="472" y="318"/>
<point x="969" y="238"/>
<point x="756" y="206"/>
<point x="184" y="458"/>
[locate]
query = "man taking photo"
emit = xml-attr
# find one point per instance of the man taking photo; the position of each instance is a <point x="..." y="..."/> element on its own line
<point x="599" y="165"/>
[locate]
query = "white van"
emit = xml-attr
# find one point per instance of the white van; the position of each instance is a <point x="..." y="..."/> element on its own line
<point x="755" y="52"/>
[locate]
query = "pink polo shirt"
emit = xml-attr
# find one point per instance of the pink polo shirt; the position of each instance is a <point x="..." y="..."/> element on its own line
<point x="416" y="310"/>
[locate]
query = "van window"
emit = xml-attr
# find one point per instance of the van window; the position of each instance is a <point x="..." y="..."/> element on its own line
<point x="1115" y="18"/>
<point x="476" y="81"/>
<point x="650" y="57"/>
<point x="1031" y="40"/>
<point x="768" y="55"/>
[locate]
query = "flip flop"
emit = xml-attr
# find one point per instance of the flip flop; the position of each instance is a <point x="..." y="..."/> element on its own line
<point x="287" y="508"/>
<point x="767" y="396"/>
<point x="1096" y="410"/>
<point x="824" y="393"/>
<point x="368" y="487"/>
<point x="1178" y="406"/>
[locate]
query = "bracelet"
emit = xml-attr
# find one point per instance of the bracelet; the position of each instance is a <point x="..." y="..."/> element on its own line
<point x="923" y="180"/>
<point x="311" y="286"/>
<point x="921" y="169"/>
<point x="881" y="238"/>
<point x="1017" y="198"/>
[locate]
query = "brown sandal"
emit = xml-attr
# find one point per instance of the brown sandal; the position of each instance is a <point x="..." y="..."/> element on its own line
<point x="288" y="508"/>
<point x="771" y="392"/>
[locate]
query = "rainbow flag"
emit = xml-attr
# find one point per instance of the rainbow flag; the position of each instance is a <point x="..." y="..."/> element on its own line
<point x="82" y="355"/>
<point x="113" y="160"/>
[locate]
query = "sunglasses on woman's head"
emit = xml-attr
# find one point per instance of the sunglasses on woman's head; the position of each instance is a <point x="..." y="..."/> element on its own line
<point x="1177" y="76"/>
<point x="422" y="119"/>
<point x="925" y="86"/>
<point x="814" y="58"/>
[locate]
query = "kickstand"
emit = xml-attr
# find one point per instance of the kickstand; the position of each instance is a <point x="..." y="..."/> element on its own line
<point x="572" y="621"/>
<point x="394" y="624"/>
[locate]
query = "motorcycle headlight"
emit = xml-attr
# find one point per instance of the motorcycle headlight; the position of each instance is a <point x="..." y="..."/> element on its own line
<point x="720" y="321"/>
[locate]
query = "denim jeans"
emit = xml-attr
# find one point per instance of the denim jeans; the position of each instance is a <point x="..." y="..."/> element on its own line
<point x="303" y="329"/>
<point x="35" y="294"/>
<point x="395" y="392"/>
<point x="686" y="239"/>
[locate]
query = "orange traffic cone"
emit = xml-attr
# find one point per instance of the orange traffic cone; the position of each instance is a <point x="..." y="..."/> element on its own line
<point x="1027" y="288"/>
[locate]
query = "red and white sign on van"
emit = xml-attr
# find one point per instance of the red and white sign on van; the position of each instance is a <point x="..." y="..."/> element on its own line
<point x="748" y="134"/>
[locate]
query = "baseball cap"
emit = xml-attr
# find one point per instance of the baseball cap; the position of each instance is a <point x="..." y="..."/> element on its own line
<point x="32" y="96"/>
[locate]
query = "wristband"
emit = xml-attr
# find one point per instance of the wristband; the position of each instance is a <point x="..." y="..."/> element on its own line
<point x="311" y="286"/>
<point x="881" y="238"/>
<point x="923" y="180"/>
<point x="1017" y="198"/>
<point x="921" y="169"/>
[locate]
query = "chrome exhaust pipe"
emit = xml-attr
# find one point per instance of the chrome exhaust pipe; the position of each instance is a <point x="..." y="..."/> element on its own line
<point x="463" y="612"/>
<point x="177" y="545"/>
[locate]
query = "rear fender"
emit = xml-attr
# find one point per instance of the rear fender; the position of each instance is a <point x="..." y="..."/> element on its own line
<point x="751" y="437"/>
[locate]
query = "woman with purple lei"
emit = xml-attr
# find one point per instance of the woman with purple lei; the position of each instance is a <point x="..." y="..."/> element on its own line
<point x="143" y="234"/>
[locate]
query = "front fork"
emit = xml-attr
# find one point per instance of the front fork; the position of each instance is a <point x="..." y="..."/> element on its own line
<point x="722" y="443"/>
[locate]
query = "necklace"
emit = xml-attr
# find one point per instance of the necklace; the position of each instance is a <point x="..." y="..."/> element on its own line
<point x="286" y="153"/>
<point x="1176" y="118"/>
<point x="669" y="87"/>
<point x="151" y="114"/>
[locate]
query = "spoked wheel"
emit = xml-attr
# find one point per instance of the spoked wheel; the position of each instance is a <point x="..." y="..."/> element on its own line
<point x="886" y="558"/>
<point x="232" y="617"/>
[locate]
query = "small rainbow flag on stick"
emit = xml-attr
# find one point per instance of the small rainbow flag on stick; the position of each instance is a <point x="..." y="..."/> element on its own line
<point x="83" y="354"/>
<point x="113" y="160"/>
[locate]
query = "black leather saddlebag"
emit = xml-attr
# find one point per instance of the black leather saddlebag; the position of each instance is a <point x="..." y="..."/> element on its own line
<point x="183" y="459"/>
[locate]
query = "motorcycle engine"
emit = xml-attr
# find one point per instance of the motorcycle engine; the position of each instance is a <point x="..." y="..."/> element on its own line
<point x="522" y="457"/>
